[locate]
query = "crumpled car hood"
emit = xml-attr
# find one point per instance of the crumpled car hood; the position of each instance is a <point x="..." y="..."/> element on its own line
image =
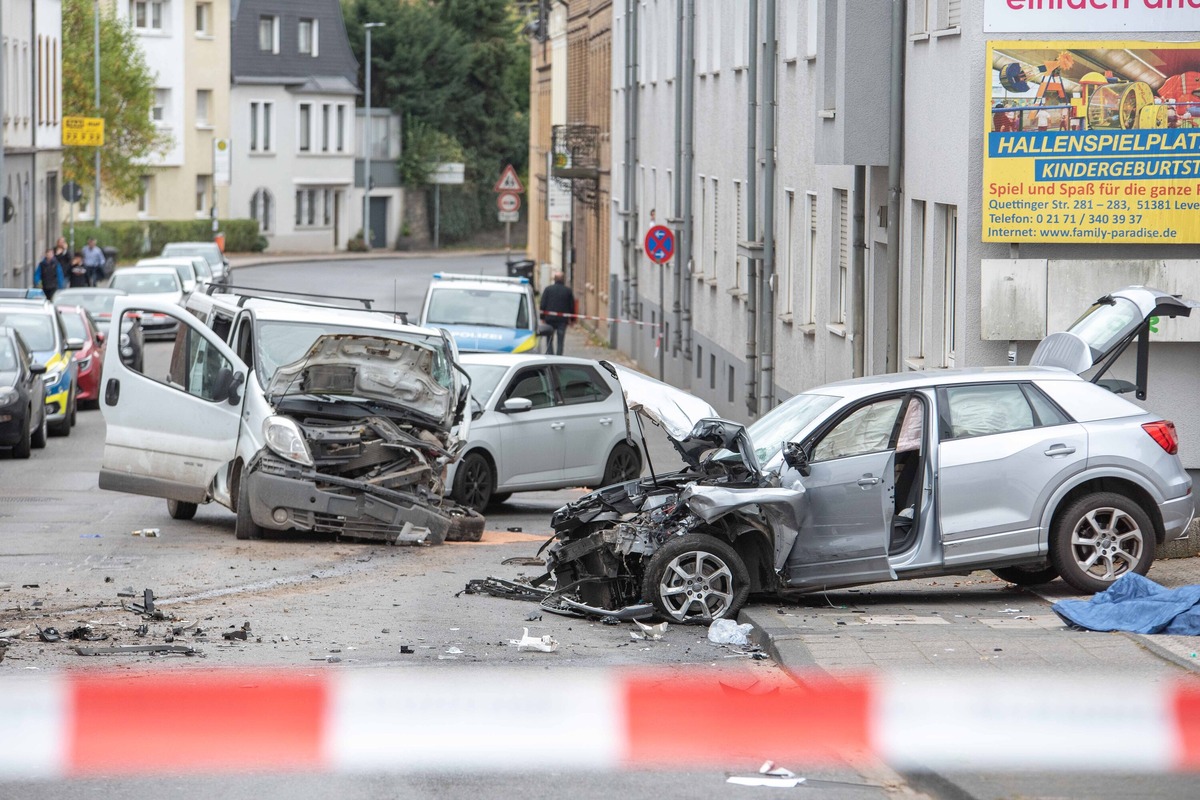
<point x="387" y="370"/>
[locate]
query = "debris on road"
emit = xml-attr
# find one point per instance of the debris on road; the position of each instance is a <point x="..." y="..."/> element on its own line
<point x="127" y="592"/>
<point x="540" y="644"/>
<point x="406" y="649"/>
<point x="123" y="649"/>
<point x="523" y="561"/>
<point x="769" y="775"/>
<point x="515" y="529"/>
<point x="49" y="635"/>
<point x="30" y="586"/>
<point x="149" y="533"/>
<point x="90" y="536"/>
<point x="652" y="633"/>
<point x="13" y="633"/>
<point x="727" y="631"/>
<point x="512" y="590"/>
<point x="86" y="633"/>
<point x="533" y="616"/>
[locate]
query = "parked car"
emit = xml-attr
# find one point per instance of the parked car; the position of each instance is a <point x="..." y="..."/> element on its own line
<point x="484" y="314"/>
<point x="1032" y="472"/>
<point x="157" y="284"/>
<point x="41" y="328"/>
<point x="98" y="302"/>
<point x="89" y="359"/>
<point x="190" y="278"/>
<point x="294" y="416"/>
<point x="22" y="396"/>
<point x="209" y="250"/>
<point x="541" y="422"/>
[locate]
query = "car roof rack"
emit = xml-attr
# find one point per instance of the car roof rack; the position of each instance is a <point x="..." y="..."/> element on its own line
<point x="245" y="293"/>
<point x="462" y="276"/>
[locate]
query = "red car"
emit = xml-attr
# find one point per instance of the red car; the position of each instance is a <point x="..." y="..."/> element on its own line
<point x="90" y="358"/>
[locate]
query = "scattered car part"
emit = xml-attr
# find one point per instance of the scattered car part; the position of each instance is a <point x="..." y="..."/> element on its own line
<point x="86" y="633"/>
<point x="540" y="644"/>
<point x="49" y="635"/>
<point x="123" y="649"/>
<point x="499" y="587"/>
<point x="727" y="631"/>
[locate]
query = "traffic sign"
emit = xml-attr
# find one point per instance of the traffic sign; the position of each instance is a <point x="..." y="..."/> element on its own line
<point x="660" y="244"/>
<point x="83" y="131"/>
<point x="508" y="201"/>
<point x="509" y="182"/>
<point x="72" y="192"/>
<point x="509" y="216"/>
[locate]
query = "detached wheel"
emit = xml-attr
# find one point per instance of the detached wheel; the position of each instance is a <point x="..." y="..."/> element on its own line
<point x="1099" y="538"/>
<point x="38" y="440"/>
<point x="696" y="579"/>
<point x="466" y="525"/>
<point x="474" y="482"/>
<point x="178" y="509"/>
<point x="1027" y="576"/>
<point x="245" y="527"/>
<point x="624" y="464"/>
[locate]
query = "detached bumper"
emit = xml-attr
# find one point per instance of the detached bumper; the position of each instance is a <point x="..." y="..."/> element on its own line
<point x="1177" y="516"/>
<point x="284" y="498"/>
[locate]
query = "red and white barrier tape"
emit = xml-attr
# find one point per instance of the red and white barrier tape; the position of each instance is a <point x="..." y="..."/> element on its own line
<point x="76" y="725"/>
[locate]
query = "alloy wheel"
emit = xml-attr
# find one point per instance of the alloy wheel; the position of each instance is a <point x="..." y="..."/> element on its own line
<point x="695" y="585"/>
<point x="1107" y="543"/>
<point x="477" y="483"/>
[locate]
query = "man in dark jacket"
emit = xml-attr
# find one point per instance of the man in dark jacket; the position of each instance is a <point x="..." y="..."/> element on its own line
<point x="48" y="274"/>
<point x="557" y="300"/>
<point x="77" y="274"/>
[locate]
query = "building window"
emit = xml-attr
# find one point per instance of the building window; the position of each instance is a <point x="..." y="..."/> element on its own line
<point x="147" y="15"/>
<point x="158" y="111"/>
<point x="305" y="123"/>
<point x="307" y="37"/>
<point x="810" y="259"/>
<point x="789" y="251"/>
<point x="341" y="128"/>
<point x="325" y="120"/>
<point x="203" y="19"/>
<point x="842" y="287"/>
<point x="202" y="193"/>
<point x="914" y="304"/>
<point x="950" y="282"/>
<point x="327" y="208"/>
<point x="144" y="199"/>
<point x="810" y="30"/>
<point x="255" y="109"/>
<point x="261" y="208"/>
<point x="203" y="104"/>
<point x="268" y="34"/>
<point x="737" y="232"/>
<point x="716" y="227"/>
<point x="310" y="207"/>
<point x="299" y="207"/>
<point x="380" y="135"/>
<point x="268" y="122"/>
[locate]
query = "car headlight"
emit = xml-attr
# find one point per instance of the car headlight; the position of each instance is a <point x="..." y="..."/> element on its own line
<point x="527" y="344"/>
<point x="53" y="374"/>
<point x="125" y="340"/>
<point x="283" y="436"/>
<point x="8" y="396"/>
<point x="84" y="363"/>
<point x="127" y="352"/>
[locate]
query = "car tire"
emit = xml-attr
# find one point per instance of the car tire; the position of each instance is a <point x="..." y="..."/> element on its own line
<point x="696" y="578"/>
<point x="178" y="509"/>
<point x="74" y="403"/>
<point x="1100" y="537"/>
<point x="624" y="464"/>
<point x="474" y="481"/>
<point x="1027" y="576"/>
<point x="466" y="525"/>
<point x="39" y="437"/>
<point x="245" y="527"/>
<point x="62" y="427"/>
<point x="23" y="448"/>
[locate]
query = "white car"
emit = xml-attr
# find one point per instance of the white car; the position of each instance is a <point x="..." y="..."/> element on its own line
<point x="190" y="276"/>
<point x="156" y="284"/>
<point x="209" y="251"/>
<point x="294" y="416"/>
<point x="541" y="422"/>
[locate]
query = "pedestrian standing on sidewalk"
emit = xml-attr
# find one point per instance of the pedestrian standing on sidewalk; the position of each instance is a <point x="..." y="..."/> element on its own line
<point x="557" y="300"/>
<point x="77" y="275"/>
<point x="93" y="262"/>
<point x="63" y="254"/>
<point x="48" y="274"/>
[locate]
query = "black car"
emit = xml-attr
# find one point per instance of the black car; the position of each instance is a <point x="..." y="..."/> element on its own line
<point x="98" y="303"/>
<point x="22" y="396"/>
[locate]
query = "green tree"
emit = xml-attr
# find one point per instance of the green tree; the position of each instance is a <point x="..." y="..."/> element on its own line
<point x="126" y="97"/>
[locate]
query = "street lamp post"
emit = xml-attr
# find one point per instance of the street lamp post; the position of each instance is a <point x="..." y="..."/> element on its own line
<point x="96" y="76"/>
<point x="366" y="226"/>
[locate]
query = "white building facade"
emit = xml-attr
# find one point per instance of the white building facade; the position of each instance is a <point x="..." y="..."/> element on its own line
<point x="293" y="110"/>
<point x="867" y="270"/>
<point x="31" y="123"/>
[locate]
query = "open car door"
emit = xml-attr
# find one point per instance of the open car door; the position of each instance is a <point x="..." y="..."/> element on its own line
<point x="170" y="431"/>
<point x="1099" y="337"/>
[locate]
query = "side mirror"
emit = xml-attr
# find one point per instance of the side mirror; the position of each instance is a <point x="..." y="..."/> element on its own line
<point x="795" y="457"/>
<point x="100" y="337"/>
<point x="74" y="344"/>
<point x="233" y="396"/>
<point x="37" y="369"/>
<point x="515" y="405"/>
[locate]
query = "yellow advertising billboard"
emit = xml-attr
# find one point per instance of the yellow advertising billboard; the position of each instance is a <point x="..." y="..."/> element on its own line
<point x="1092" y="142"/>
<point x="83" y="131"/>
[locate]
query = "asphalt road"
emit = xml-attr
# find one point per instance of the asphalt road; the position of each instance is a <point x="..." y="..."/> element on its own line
<point x="313" y="603"/>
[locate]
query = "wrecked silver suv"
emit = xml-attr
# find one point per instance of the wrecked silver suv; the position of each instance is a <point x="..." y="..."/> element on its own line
<point x="295" y="416"/>
<point x="1033" y="473"/>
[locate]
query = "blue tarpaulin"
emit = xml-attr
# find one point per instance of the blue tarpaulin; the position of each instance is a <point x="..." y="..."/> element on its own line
<point x="1138" y="605"/>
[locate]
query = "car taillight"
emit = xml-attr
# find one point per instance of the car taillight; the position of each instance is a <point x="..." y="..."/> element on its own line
<point x="1163" y="432"/>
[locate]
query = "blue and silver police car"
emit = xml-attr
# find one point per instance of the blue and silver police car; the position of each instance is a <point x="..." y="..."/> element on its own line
<point x="484" y="314"/>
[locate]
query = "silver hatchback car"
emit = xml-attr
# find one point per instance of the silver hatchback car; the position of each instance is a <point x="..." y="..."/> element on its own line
<point x="1033" y="473"/>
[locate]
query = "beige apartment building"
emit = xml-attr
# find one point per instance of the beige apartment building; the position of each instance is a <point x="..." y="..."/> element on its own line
<point x="187" y="44"/>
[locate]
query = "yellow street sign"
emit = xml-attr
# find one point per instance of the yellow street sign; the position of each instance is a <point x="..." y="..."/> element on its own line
<point x="83" y="131"/>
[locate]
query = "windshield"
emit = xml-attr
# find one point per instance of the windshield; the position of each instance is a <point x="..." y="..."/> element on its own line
<point x="94" y="302"/>
<point x="74" y="325"/>
<point x="1104" y="324"/>
<point x="489" y="307"/>
<point x="784" y="423"/>
<point x="279" y="343"/>
<point x="36" y="328"/>
<point x="484" y="378"/>
<point x="146" y="283"/>
<point x="211" y="253"/>
<point x="8" y="355"/>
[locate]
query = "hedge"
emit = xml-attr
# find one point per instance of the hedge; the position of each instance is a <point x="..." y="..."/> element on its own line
<point x="137" y="239"/>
